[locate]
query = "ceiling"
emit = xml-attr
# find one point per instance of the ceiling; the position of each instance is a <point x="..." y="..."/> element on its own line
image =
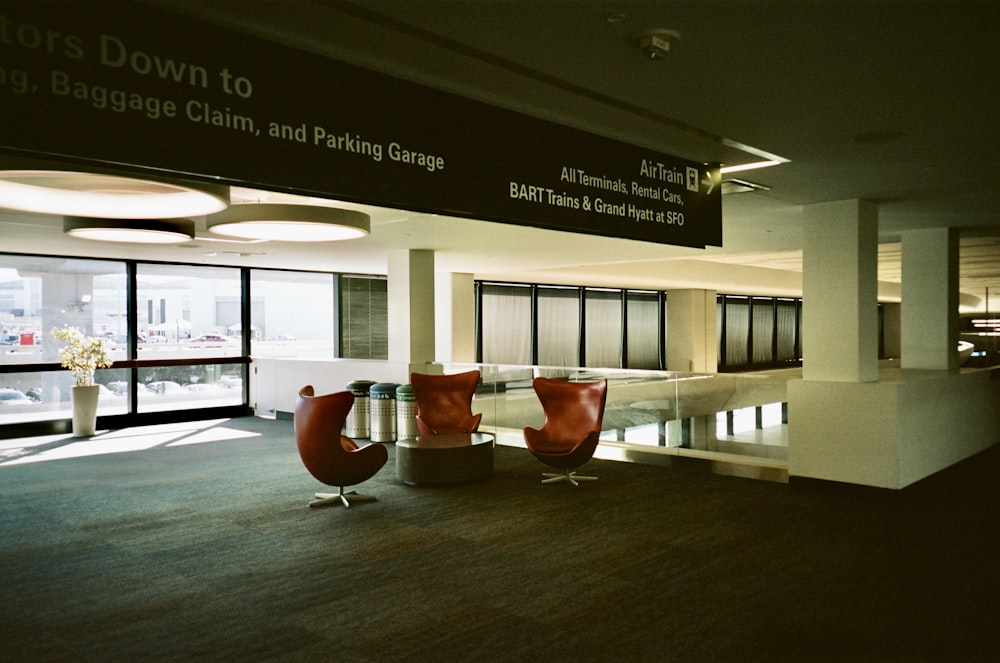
<point x="891" y="101"/>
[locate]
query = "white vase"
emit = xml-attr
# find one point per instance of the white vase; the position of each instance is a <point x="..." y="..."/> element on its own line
<point x="85" y="410"/>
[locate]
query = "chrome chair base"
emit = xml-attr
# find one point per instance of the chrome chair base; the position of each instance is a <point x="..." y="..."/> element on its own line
<point x="567" y="475"/>
<point x="328" y="499"/>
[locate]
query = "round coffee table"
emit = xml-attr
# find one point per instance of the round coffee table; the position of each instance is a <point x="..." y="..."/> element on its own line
<point x="440" y="459"/>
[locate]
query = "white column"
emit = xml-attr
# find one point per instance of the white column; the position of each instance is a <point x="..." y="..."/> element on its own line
<point x="692" y="347"/>
<point x="411" y="308"/>
<point x="455" y="314"/>
<point x="840" y="291"/>
<point x="930" y="299"/>
<point x="692" y="343"/>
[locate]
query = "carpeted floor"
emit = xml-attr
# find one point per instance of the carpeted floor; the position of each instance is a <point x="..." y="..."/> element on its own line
<point x="207" y="551"/>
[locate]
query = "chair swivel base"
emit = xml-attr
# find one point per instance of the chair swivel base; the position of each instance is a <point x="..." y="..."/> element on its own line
<point x="566" y="475"/>
<point x="328" y="499"/>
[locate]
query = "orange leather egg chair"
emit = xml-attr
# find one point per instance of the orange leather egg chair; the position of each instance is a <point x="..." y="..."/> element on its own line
<point x="444" y="402"/>
<point x="568" y="438"/>
<point x="331" y="457"/>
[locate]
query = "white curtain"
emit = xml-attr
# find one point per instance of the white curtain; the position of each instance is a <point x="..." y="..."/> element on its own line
<point x="506" y="325"/>
<point x="763" y="330"/>
<point x="787" y="317"/>
<point x="643" y="331"/>
<point x="558" y="327"/>
<point x="737" y="330"/>
<point x="604" y="329"/>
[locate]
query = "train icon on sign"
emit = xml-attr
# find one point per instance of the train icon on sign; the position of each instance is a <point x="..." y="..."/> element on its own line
<point x="692" y="179"/>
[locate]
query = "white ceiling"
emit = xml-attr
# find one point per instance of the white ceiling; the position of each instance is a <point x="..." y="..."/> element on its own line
<point x="891" y="101"/>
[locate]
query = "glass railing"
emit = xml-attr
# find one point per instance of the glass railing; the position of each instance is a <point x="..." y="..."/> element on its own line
<point x="659" y="411"/>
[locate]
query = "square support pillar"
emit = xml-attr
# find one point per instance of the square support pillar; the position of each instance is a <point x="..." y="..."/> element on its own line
<point x="930" y="299"/>
<point x="411" y="308"/>
<point x="840" y="292"/>
<point x="692" y="344"/>
<point x="455" y="313"/>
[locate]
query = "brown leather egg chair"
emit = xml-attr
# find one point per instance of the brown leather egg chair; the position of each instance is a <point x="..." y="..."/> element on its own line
<point x="444" y="402"/>
<point x="333" y="458"/>
<point x="568" y="438"/>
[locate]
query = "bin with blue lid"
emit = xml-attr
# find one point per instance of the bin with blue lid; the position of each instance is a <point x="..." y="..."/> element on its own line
<point x="383" y="411"/>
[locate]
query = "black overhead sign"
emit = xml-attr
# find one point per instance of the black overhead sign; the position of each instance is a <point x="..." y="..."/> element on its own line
<point x="133" y="86"/>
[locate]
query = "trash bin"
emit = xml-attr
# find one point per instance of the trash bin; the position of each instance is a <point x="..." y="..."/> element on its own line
<point x="359" y="418"/>
<point x="406" y="413"/>
<point x="383" y="412"/>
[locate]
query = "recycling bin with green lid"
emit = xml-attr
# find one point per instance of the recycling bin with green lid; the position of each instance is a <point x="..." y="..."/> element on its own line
<point x="406" y="413"/>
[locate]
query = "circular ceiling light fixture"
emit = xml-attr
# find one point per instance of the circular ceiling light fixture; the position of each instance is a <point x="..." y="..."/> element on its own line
<point x="107" y="196"/>
<point x="289" y="222"/>
<point x="136" y="231"/>
<point x="655" y="44"/>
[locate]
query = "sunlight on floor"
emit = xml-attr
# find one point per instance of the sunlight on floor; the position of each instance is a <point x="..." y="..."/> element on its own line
<point x="55" y="447"/>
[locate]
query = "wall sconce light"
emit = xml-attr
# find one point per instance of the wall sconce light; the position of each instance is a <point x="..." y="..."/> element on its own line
<point x="289" y="222"/>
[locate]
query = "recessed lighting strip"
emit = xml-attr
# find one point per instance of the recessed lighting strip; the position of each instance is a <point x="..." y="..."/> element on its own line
<point x="736" y="168"/>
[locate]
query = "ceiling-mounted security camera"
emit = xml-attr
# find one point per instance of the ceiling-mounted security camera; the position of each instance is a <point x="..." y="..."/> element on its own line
<point x="655" y="44"/>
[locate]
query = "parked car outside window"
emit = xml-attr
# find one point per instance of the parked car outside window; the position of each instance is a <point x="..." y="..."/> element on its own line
<point x="10" y="396"/>
<point x="213" y="338"/>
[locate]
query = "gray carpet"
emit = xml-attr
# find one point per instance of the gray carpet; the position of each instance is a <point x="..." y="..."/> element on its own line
<point x="207" y="551"/>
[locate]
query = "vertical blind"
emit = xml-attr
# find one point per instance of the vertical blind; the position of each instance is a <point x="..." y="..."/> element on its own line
<point x="364" y="315"/>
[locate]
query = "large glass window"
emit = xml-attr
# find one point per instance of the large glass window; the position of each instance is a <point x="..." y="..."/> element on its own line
<point x="183" y="346"/>
<point x="787" y="319"/>
<point x="189" y="386"/>
<point x="193" y="313"/>
<point x="506" y="331"/>
<point x="720" y="329"/>
<point x="768" y="325"/>
<point x="737" y="331"/>
<point x="643" y="330"/>
<point x="558" y="326"/>
<point x="188" y="311"/>
<point x="39" y="294"/>
<point x="603" y="328"/>
<point x="364" y="317"/>
<point x="292" y="314"/>
<point x="753" y="332"/>
<point x="763" y="330"/>
<point x="45" y="396"/>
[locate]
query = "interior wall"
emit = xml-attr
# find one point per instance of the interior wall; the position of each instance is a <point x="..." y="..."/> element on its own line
<point x="843" y="431"/>
<point x="891" y="433"/>
<point x="275" y="383"/>
<point x="947" y="419"/>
